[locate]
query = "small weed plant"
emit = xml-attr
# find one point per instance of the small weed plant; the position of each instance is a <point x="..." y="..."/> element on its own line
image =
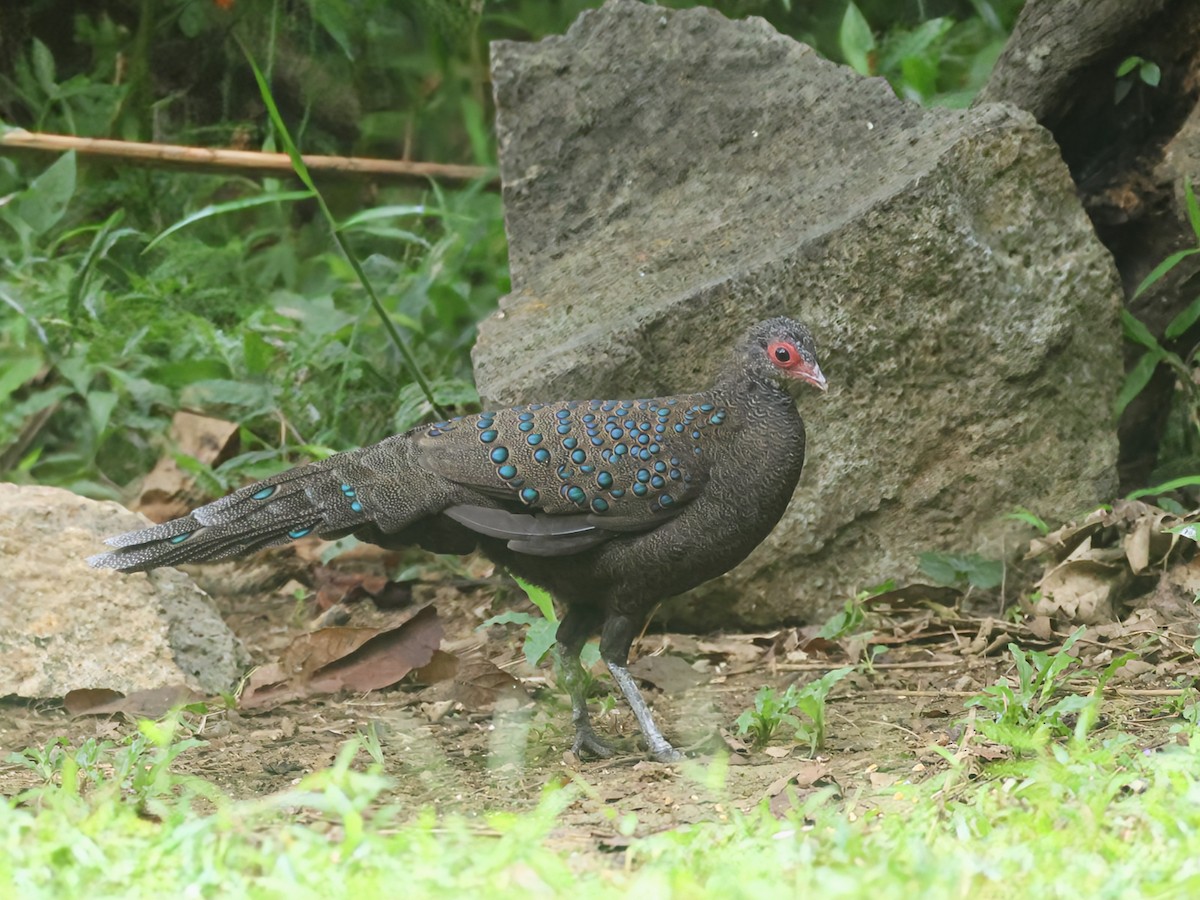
<point x="772" y="710"/>
<point x="1039" y="707"/>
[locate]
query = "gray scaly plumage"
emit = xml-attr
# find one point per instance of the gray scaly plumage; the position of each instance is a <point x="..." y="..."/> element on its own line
<point x="612" y="506"/>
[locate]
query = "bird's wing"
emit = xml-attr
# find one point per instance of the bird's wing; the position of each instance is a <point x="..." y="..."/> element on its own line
<point x="573" y="475"/>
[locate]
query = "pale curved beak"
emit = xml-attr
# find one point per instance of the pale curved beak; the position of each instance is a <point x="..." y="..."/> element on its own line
<point x="815" y="377"/>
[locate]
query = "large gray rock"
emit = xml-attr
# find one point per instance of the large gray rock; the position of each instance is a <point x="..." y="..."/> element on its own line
<point x="670" y="177"/>
<point x="64" y="625"/>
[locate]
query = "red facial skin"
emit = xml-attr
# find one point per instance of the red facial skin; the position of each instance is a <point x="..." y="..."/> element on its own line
<point x="786" y="357"/>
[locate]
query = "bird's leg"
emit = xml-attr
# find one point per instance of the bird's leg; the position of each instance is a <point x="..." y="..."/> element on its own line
<point x="572" y="632"/>
<point x="615" y="640"/>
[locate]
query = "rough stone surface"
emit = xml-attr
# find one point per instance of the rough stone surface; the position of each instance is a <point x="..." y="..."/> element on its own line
<point x="671" y="177"/>
<point x="64" y="625"/>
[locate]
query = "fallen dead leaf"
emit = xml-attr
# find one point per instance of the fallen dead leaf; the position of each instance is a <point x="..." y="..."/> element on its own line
<point x="667" y="672"/>
<point x="148" y="704"/>
<point x="788" y="792"/>
<point x="169" y="491"/>
<point x="336" y="659"/>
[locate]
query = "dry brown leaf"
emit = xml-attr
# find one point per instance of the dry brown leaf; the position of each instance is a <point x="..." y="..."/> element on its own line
<point x="786" y="793"/>
<point x="667" y="672"/>
<point x="335" y="586"/>
<point x="335" y="659"/>
<point x="168" y="491"/>
<point x="1081" y="590"/>
<point x="150" y="704"/>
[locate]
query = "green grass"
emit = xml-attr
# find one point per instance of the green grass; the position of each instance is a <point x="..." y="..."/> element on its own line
<point x="1104" y="819"/>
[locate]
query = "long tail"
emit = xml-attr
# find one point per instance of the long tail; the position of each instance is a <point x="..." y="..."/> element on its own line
<point x="328" y="498"/>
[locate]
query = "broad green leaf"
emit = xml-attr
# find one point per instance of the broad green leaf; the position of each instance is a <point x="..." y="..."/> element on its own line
<point x="100" y="406"/>
<point x="45" y="201"/>
<point x="539" y="639"/>
<point x="15" y="372"/>
<point x="1137" y="379"/>
<point x="857" y="41"/>
<point x="539" y="598"/>
<point x="1128" y="65"/>
<point x="1151" y="74"/>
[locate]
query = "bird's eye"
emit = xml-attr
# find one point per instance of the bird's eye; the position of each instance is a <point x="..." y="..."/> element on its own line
<point x="782" y="354"/>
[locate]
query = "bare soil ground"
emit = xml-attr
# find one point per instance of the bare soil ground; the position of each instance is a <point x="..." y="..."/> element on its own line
<point x="467" y="748"/>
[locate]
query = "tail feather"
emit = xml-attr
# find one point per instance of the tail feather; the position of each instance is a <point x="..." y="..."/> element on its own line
<point x="285" y="507"/>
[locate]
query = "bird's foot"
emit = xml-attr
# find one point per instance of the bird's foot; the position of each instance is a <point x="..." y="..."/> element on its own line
<point x="586" y="741"/>
<point x="665" y="753"/>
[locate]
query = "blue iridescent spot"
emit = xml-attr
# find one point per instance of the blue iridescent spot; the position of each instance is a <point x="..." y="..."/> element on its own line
<point x="630" y="424"/>
<point x="516" y="482"/>
<point x="356" y="506"/>
<point x="180" y="538"/>
<point x="616" y="433"/>
<point x="617" y="493"/>
<point x="570" y="443"/>
<point x="563" y="414"/>
<point x="643" y="438"/>
<point x="433" y="432"/>
<point x="706" y="407"/>
<point x="525" y="416"/>
<point x="620" y="449"/>
<point x="565" y="472"/>
<point x="507" y="472"/>
<point x="604" y="479"/>
<point x="679" y="428"/>
<point x="642" y="475"/>
<point x="587" y="469"/>
<point x="536" y="405"/>
<point x="675" y="476"/>
<point x="640" y="490"/>
<point x="500" y="454"/>
<point x="563" y="429"/>
<point x="657" y="482"/>
<point x="606" y="455"/>
<point x="533" y="440"/>
<point x="665" y="500"/>
<point x="488" y="436"/>
<point x="674" y="461"/>
<point x="660" y="428"/>
<point x="696" y="435"/>
<point x="589" y="418"/>
<point x="660" y="466"/>
<point x="600" y="505"/>
<point x="298" y="533"/>
<point x="697" y="450"/>
<point x="654" y="448"/>
<point x="525" y="426"/>
<point x="578" y="456"/>
<point x="485" y="421"/>
<point x="529" y="495"/>
<point x="596" y="441"/>
<point x="270" y="489"/>
<point x="541" y="454"/>
<point x="644" y="453"/>
<point x="576" y="494"/>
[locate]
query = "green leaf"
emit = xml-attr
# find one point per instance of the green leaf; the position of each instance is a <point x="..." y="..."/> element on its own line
<point x="1183" y="321"/>
<point x="220" y="209"/>
<point x="1137" y="331"/>
<point x="15" y="372"/>
<point x="539" y="598"/>
<point x="1128" y="65"/>
<point x="1151" y="74"/>
<point x="45" y="201"/>
<point x="1021" y="514"/>
<point x="539" y="639"/>
<point x="1163" y="268"/>
<point x="100" y="406"/>
<point x="1166" y="487"/>
<point x="1137" y="379"/>
<point x="856" y="40"/>
<point x="1193" y="208"/>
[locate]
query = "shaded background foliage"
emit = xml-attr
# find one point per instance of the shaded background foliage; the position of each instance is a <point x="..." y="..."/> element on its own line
<point x="251" y="313"/>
